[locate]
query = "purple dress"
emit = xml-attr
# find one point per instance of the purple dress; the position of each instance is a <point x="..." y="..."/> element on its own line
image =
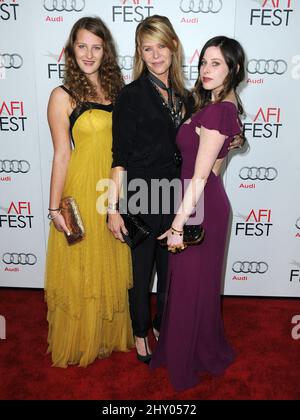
<point x="192" y="339"/>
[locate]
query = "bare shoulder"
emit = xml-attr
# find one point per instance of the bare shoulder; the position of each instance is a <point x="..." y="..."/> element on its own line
<point x="60" y="101"/>
<point x="231" y="98"/>
<point x="229" y="102"/>
<point x="59" y="95"/>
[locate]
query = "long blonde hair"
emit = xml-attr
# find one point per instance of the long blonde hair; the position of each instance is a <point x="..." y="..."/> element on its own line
<point x="160" y="29"/>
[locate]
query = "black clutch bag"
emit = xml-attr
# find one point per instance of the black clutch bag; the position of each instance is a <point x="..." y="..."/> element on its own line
<point x="137" y="229"/>
<point x="192" y="235"/>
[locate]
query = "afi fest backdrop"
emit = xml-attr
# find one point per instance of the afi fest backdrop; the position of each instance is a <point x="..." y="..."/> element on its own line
<point x="262" y="182"/>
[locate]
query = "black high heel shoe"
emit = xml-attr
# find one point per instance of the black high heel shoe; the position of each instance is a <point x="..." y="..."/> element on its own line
<point x="145" y="359"/>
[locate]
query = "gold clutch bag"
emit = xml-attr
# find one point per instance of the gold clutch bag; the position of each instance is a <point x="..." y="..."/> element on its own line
<point x="71" y="214"/>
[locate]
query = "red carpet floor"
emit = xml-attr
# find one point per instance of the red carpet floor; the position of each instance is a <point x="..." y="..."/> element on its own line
<point x="267" y="366"/>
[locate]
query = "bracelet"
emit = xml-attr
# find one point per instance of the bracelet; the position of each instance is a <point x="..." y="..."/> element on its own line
<point x="50" y="217"/>
<point x="55" y="209"/>
<point x="176" y="232"/>
<point x="112" y="206"/>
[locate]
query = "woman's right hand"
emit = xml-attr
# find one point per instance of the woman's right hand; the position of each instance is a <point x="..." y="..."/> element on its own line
<point x="116" y="225"/>
<point x="59" y="223"/>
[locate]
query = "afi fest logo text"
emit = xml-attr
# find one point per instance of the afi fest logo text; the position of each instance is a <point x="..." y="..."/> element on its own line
<point x="17" y="216"/>
<point x="190" y="68"/>
<point x="257" y="223"/>
<point x="295" y="273"/>
<point x="8" y="10"/>
<point x="56" y="69"/>
<point x="255" y="174"/>
<point x="62" y="6"/>
<point x="12" y="116"/>
<point x="243" y="269"/>
<point x="2" y="328"/>
<point x="272" y="13"/>
<point x="132" y="10"/>
<point x="296" y="328"/>
<point x="266" y="124"/>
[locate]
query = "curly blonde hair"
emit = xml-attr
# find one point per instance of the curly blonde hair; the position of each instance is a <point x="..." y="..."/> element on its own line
<point x="109" y="71"/>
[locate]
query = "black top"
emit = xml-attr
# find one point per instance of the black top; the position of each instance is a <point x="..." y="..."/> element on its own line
<point x="143" y="131"/>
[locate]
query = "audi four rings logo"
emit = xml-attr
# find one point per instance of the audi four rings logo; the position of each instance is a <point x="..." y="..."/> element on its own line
<point x="11" y="61"/>
<point x="250" y="267"/>
<point x="125" y="62"/>
<point x="201" y="6"/>
<point x="267" y="66"/>
<point x="64" y="5"/>
<point x="298" y="223"/>
<point x="14" y="166"/>
<point x="19" y="259"/>
<point x="261" y="173"/>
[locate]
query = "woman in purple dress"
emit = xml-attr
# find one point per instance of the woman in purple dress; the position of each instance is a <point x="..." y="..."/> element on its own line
<point x="192" y="339"/>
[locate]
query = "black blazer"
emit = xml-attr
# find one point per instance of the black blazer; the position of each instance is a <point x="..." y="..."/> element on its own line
<point x="143" y="131"/>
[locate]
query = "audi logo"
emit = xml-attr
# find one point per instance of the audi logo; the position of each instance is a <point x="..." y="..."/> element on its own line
<point x="19" y="259"/>
<point x="11" y="61"/>
<point x="125" y="62"/>
<point x="298" y="223"/>
<point x="201" y="6"/>
<point x="250" y="267"/>
<point x="267" y="66"/>
<point x="258" y="173"/>
<point x="64" y="5"/>
<point x="15" y="166"/>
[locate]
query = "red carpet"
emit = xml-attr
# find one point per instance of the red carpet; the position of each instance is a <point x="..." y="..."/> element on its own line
<point x="267" y="366"/>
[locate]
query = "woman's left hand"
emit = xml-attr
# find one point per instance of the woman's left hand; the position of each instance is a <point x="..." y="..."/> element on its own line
<point x="237" y="142"/>
<point x="174" y="241"/>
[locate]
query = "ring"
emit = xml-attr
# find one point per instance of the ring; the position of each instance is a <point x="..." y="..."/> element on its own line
<point x="177" y="249"/>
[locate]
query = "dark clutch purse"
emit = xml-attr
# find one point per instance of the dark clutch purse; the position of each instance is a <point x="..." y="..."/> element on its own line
<point x="71" y="214"/>
<point x="137" y="229"/>
<point x="192" y="235"/>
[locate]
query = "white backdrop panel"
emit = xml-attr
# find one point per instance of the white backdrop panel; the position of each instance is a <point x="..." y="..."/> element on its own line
<point x="262" y="182"/>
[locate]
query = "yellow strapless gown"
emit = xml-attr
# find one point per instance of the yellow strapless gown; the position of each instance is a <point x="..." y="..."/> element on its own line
<point x="87" y="283"/>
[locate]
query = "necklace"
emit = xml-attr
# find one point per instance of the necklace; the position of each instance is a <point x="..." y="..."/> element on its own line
<point x="173" y="106"/>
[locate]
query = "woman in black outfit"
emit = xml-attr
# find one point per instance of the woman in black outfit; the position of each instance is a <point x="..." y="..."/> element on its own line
<point x="146" y="117"/>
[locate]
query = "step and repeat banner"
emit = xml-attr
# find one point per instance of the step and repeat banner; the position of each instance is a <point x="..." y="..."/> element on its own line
<point x="262" y="181"/>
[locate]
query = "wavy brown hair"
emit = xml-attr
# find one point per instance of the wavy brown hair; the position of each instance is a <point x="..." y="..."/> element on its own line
<point x="234" y="57"/>
<point x="160" y="29"/>
<point x="110" y="75"/>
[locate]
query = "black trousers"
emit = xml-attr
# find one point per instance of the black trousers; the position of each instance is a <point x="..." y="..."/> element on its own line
<point x="147" y="255"/>
<point x="144" y="256"/>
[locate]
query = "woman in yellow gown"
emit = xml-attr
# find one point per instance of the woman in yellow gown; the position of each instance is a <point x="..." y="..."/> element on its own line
<point x="87" y="282"/>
